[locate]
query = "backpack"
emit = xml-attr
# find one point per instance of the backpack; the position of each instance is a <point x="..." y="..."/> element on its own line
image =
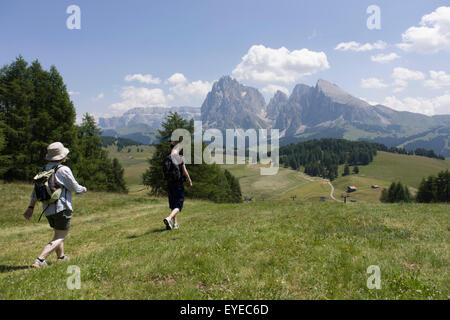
<point x="171" y="171"/>
<point x="46" y="188"/>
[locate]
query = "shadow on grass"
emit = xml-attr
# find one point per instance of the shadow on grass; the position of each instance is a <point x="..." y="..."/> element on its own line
<point x="156" y="230"/>
<point x="4" y="269"/>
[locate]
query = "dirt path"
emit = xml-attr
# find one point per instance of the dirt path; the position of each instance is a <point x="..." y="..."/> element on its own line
<point x="315" y="179"/>
<point x="332" y="192"/>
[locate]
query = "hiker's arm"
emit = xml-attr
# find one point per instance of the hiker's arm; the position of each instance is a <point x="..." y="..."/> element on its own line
<point x="29" y="212"/>
<point x="69" y="181"/>
<point x="186" y="173"/>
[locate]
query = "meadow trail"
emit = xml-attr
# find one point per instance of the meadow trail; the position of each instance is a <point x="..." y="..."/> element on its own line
<point x="332" y="192"/>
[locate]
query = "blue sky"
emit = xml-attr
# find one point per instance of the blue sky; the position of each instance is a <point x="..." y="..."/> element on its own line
<point x="200" y="41"/>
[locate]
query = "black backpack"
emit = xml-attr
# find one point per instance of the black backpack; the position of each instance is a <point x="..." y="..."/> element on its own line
<point x="172" y="172"/>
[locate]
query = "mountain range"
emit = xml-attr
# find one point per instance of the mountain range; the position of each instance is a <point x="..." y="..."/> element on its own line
<point x="309" y="112"/>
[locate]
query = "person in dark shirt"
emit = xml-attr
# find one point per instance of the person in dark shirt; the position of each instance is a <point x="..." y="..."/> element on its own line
<point x="175" y="190"/>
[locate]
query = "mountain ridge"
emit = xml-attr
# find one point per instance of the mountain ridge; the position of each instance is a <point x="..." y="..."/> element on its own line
<point x="322" y="110"/>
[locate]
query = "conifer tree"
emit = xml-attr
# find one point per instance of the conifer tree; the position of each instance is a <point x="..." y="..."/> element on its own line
<point x="209" y="180"/>
<point x="93" y="166"/>
<point x="346" y="170"/>
<point x="36" y="110"/>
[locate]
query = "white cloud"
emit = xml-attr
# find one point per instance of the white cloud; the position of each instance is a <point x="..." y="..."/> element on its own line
<point x="192" y="93"/>
<point x="401" y="76"/>
<point x="176" y="78"/>
<point x="384" y="58"/>
<point x="438" y="105"/>
<point x="140" y="97"/>
<point x="99" y="97"/>
<point x="432" y="34"/>
<point x="438" y="80"/>
<point x="373" y="83"/>
<point x="271" y="89"/>
<point x="262" y="64"/>
<point x="73" y="93"/>
<point x="143" y="78"/>
<point x="356" y="46"/>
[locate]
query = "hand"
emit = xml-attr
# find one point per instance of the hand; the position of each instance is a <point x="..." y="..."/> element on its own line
<point x="190" y="183"/>
<point x="85" y="189"/>
<point x="28" y="213"/>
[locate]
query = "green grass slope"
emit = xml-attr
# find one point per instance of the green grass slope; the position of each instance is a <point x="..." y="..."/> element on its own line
<point x="408" y="169"/>
<point x="258" y="250"/>
<point x="134" y="163"/>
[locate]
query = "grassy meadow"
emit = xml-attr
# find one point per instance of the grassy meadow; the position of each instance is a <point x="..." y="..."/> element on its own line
<point x="135" y="163"/>
<point x="271" y="249"/>
<point x="258" y="250"/>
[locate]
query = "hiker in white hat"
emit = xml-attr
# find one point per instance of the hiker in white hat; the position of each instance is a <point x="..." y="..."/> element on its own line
<point x="57" y="205"/>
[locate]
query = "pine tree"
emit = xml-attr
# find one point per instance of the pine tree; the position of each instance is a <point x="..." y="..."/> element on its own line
<point x="384" y="195"/>
<point x="2" y="136"/>
<point x="234" y="186"/>
<point x="153" y="177"/>
<point x="209" y="180"/>
<point x="92" y="165"/>
<point x="397" y="192"/>
<point x="37" y="111"/>
<point x="2" y="146"/>
<point x="346" y="170"/>
<point x="426" y="193"/>
<point x="392" y="192"/>
<point x="443" y="186"/>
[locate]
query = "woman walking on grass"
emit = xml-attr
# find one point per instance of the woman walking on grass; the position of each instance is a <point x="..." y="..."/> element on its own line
<point x="175" y="187"/>
<point x="58" y="213"/>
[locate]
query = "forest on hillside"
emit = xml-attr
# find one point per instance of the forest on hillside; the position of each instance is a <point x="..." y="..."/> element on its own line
<point x="36" y="110"/>
<point x="322" y="157"/>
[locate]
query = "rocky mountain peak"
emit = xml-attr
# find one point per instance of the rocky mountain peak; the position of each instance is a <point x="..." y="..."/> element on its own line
<point x="338" y="95"/>
<point x="230" y="104"/>
<point x="275" y="104"/>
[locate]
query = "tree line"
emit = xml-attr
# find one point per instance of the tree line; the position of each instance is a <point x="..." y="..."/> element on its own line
<point x="431" y="189"/>
<point x="120" y="143"/>
<point x="322" y="157"/>
<point x="435" y="188"/>
<point x="209" y="180"/>
<point x="417" y="152"/>
<point x="35" y="110"/>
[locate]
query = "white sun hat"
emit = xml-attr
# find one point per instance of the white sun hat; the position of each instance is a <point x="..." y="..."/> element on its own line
<point x="56" y="152"/>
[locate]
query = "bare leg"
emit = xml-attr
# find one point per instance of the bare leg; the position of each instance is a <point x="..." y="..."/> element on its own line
<point x="173" y="214"/>
<point x="57" y="241"/>
<point x="59" y="250"/>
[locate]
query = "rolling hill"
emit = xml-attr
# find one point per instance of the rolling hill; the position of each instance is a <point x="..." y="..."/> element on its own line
<point x="385" y="168"/>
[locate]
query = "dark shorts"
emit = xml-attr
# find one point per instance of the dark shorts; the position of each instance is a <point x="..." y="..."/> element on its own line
<point x="60" y="220"/>
<point x="176" y="196"/>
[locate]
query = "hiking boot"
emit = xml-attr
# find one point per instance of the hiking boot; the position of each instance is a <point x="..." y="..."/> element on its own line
<point x="39" y="264"/>
<point x="168" y="223"/>
<point x="63" y="258"/>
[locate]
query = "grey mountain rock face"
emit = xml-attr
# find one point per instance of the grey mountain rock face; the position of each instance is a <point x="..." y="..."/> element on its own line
<point x="230" y="105"/>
